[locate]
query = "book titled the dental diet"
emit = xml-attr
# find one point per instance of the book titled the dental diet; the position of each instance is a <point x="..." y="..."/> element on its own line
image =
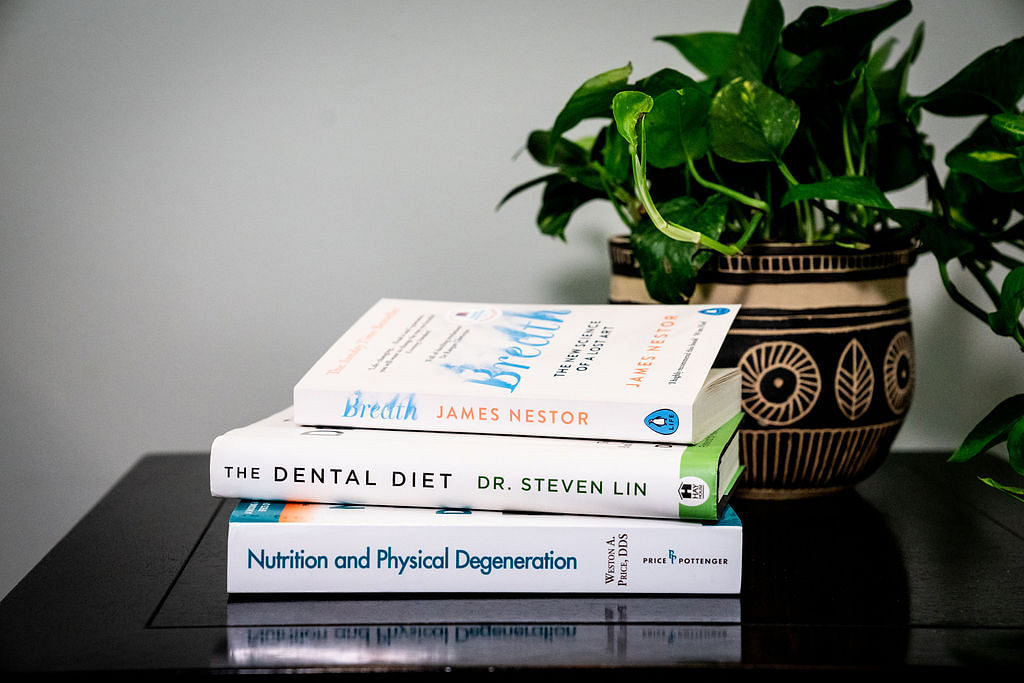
<point x="276" y="459"/>
<point x="630" y="373"/>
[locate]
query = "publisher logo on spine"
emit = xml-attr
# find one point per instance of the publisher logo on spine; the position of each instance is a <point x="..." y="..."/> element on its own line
<point x="717" y="310"/>
<point x="663" y="421"/>
<point x="693" y="491"/>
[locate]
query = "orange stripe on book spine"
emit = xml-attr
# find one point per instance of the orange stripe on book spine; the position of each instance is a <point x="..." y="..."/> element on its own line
<point x="296" y="512"/>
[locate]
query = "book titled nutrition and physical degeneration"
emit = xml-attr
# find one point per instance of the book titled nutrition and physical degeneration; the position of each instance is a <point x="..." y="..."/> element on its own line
<point x="629" y="373"/>
<point x="278" y="547"/>
<point x="278" y="459"/>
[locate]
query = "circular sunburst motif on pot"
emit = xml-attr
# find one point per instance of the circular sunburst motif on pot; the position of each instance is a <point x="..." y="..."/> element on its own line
<point x="899" y="373"/>
<point x="781" y="382"/>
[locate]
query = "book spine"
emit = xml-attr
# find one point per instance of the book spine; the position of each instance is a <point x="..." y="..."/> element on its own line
<point x="465" y="471"/>
<point x="615" y="558"/>
<point x="551" y="417"/>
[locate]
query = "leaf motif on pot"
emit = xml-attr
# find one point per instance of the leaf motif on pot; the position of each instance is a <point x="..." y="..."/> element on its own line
<point x="899" y="372"/>
<point x="855" y="381"/>
<point x="781" y="382"/>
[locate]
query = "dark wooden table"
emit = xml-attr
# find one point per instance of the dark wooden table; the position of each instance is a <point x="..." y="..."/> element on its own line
<point x="920" y="569"/>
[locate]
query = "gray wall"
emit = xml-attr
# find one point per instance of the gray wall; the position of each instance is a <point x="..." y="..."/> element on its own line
<point x="197" y="197"/>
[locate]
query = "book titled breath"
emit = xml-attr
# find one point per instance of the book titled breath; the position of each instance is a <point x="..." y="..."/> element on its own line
<point x="277" y="459"/>
<point x="317" y="548"/>
<point x="631" y="373"/>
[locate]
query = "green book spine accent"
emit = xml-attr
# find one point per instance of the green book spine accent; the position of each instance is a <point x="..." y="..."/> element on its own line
<point x="700" y="471"/>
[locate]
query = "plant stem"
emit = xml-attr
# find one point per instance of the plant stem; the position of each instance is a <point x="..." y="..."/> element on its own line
<point x="722" y="189"/>
<point x="847" y="152"/>
<point x="839" y="218"/>
<point x="612" y="187"/>
<point x="751" y="226"/>
<point x="676" y="232"/>
<point x="993" y="294"/>
<point x="628" y="220"/>
<point x="786" y="173"/>
<point x="803" y="210"/>
<point x="959" y="298"/>
<point x="984" y="280"/>
<point x="1006" y="260"/>
<point x="619" y="198"/>
<point x="862" y="164"/>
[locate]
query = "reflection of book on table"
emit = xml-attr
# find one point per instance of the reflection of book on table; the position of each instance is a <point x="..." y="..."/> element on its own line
<point x="322" y="548"/>
<point x="483" y="645"/>
<point x="275" y="459"/>
<point x="632" y="373"/>
<point x="447" y="608"/>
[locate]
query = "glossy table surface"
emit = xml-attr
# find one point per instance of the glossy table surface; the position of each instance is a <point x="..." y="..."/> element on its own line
<point x="921" y="568"/>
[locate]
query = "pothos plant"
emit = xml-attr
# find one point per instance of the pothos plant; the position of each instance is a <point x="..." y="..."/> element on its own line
<point x="799" y="132"/>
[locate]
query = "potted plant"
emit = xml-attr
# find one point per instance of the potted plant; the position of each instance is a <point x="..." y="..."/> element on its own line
<point x="767" y="183"/>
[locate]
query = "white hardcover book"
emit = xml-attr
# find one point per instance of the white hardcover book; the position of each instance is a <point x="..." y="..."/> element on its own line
<point x="318" y="548"/>
<point x="631" y="373"/>
<point x="277" y="459"/>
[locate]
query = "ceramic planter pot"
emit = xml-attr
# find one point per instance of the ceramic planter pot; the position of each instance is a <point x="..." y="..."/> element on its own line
<point x="824" y="344"/>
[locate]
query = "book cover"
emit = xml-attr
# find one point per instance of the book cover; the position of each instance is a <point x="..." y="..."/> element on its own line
<point x="631" y="373"/>
<point x="277" y="459"/>
<point x="278" y="547"/>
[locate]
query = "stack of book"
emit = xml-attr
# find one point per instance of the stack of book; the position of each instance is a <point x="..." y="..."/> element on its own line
<point x="442" y="447"/>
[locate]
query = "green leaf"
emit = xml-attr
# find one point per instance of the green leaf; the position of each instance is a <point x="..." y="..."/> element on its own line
<point x="1015" y="445"/>
<point x="751" y="122"/>
<point x="1012" y="125"/>
<point x="666" y="264"/>
<point x="902" y="156"/>
<point x="664" y="130"/>
<point x="985" y="155"/>
<point x="710" y="52"/>
<point x="557" y="152"/>
<point x="974" y="206"/>
<point x="992" y="430"/>
<point x="997" y="168"/>
<point x="875" y="65"/>
<point x="757" y="41"/>
<point x="663" y="81"/>
<point x="676" y="127"/>
<point x="627" y="108"/>
<point x="890" y="85"/>
<point x="899" y="154"/>
<point x="872" y="113"/>
<point x="935" y="236"/>
<point x="519" y="189"/>
<point x="560" y="200"/>
<point x="826" y="27"/>
<point x="833" y="48"/>
<point x="591" y="100"/>
<point x="858" y="190"/>
<point x="670" y="266"/>
<point x="1012" y="491"/>
<point x="615" y="156"/>
<point x="1011" y="303"/>
<point x="570" y="158"/>
<point x="991" y="84"/>
<point x="707" y="218"/>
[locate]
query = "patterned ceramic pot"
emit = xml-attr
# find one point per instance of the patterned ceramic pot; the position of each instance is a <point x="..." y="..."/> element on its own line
<point x="825" y="348"/>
